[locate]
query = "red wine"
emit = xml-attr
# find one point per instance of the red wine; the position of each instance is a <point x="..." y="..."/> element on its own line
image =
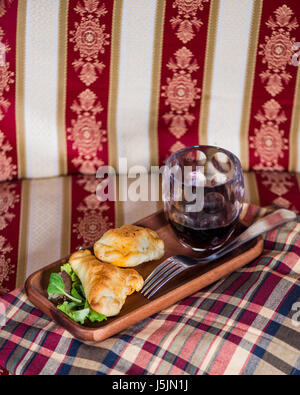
<point x="203" y="239"/>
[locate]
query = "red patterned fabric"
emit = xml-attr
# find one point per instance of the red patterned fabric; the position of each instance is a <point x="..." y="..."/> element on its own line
<point x="8" y="145"/>
<point x="87" y="89"/>
<point x="279" y="188"/>
<point x="274" y="86"/>
<point x="90" y="218"/>
<point x="183" y="54"/>
<point x="10" y="209"/>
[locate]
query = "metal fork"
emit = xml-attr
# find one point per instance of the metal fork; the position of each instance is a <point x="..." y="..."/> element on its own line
<point x="175" y="265"/>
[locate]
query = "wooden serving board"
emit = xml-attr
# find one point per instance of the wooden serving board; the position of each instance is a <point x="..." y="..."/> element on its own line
<point x="137" y="307"/>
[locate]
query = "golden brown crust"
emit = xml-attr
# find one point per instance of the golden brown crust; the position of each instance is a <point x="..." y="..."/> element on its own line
<point x="129" y="246"/>
<point x="106" y="286"/>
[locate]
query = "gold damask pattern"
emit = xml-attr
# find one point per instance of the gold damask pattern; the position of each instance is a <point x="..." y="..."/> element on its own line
<point x="187" y="19"/>
<point x="176" y="147"/>
<point x="86" y="132"/>
<point x="92" y="221"/>
<point x="89" y="39"/>
<point x="8" y="196"/>
<point x="269" y="142"/>
<point x="8" y="200"/>
<point x="279" y="183"/>
<point x="7" y="169"/>
<point x="181" y="91"/>
<point x="277" y="50"/>
<point x="6" y="76"/>
<point x="6" y="269"/>
<point x="4" y="4"/>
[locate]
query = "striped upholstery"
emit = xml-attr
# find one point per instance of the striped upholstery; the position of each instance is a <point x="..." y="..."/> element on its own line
<point x="86" y="82"/>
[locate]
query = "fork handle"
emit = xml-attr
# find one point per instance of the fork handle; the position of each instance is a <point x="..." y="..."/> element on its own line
<point x="269" y="222"/>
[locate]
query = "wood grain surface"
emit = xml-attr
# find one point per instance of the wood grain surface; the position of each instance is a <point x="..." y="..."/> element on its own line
<point x="137" y="307"/>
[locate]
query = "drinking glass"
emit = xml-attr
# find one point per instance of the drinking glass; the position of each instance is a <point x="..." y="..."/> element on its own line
<point x="203" y="192"/>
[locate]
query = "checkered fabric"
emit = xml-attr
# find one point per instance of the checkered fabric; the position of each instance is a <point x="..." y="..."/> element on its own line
<point x="246" y="323"/>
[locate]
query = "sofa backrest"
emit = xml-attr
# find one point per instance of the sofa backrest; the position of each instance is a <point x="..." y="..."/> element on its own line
<point x="86" y="82"/>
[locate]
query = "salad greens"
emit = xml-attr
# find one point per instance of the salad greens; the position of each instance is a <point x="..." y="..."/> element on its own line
<point x="76" y="306"/>
<point x="57" y="287"/>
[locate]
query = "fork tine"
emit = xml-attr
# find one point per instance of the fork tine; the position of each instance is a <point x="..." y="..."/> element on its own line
<point x="159" y="277"/>
<point x="164" y="265"/>
<point x="157" y="286"/>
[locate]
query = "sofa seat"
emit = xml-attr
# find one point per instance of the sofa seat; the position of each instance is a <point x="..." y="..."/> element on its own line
<point x="43" y="220"/>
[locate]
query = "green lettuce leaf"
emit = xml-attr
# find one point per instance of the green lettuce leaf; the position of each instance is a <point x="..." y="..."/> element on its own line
<point x="77" y="315"/>
<point x="93" y="316"/>
<point x="77" y="307"/>
<point x="57" y="287"/>
<point x="68" y="269"/>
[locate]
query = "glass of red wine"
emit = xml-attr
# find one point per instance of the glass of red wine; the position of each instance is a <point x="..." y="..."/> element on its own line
<point x="203" y="190"/>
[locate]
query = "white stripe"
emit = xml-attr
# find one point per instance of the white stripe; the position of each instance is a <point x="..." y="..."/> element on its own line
<point x="41" y="56"/>
<point x="133" y="103"/>
<point x="134" y="209"/>
<point x="44" y="223"/>
<point x="229" y="74"/>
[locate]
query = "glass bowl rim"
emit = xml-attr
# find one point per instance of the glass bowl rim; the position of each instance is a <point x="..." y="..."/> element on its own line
<point x="238" y="171"/>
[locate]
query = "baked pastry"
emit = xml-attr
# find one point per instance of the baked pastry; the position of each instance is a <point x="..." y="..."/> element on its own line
<point x="106" y="286"/>
<point x="129" y="246"/>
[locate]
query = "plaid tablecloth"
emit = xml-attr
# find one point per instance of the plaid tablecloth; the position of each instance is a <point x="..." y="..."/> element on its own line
<point x="246" y="323"/>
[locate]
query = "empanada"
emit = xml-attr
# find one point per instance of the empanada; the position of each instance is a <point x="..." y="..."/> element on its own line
<point x="129" y="246"/>
<point x="106" y="286"/>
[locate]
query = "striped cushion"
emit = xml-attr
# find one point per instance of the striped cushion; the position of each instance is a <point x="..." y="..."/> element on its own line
<point x="84" y="83"/>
